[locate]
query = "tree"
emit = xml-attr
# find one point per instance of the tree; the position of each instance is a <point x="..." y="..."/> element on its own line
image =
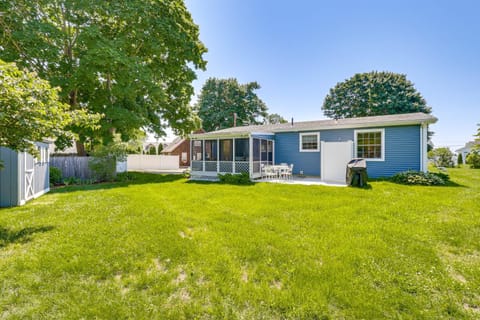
<point x="30" y="110"/>
<point x="460" y="159"/>
<point x="132" y="61"/>
<point x="221" y="99"/>
<point x="373" y="94"/>
<point x="274" y="118"/>
<point x="442" y="157"/>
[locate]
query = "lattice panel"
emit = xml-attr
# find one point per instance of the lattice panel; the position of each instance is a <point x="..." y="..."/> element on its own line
<point x="241" y="167"/>
<point x="197" y="165"/>
<point x="256" y="166"/>
<point x="211" y="166"/>
<point x="226" y="166"/>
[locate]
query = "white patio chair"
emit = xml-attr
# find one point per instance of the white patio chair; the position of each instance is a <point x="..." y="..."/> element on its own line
<point x="270" y="172"/>
<point x="289" y="172"/>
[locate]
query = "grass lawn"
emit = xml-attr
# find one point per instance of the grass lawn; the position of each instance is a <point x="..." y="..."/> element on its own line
<point x="161" y="247"/>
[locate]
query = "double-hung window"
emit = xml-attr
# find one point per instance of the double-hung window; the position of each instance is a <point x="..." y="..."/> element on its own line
<point x="309" y="142"/>
<point x="370" y="144"/>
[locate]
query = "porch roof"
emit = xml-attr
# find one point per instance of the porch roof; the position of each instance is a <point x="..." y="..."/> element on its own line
<point x="330" y="124"/>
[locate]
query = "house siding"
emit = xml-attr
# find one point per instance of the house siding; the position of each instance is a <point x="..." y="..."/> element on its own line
<point x="264" y="136"/>
<point x="402" y="150"/>
<point x="287" y="150"/>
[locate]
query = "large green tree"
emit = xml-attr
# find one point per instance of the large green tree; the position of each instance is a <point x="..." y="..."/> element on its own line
<point x="30" y="110"/>
<point x="373" y="94"/>
<point x="132" y="61"/>
<point x="274" y="118"/>
<point x="221" y="99"/>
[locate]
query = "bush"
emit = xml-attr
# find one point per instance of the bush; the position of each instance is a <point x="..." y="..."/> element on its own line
<point x="473" y="159"/>
<point x="241" y="178"/>
<point x="460" y="159"/>
<point x="104" y="160"/>
<point x="55" y="176"/>
<point x="124" y="177"/>
<point x="412" y="177"/>
<point x="442" y="157"/>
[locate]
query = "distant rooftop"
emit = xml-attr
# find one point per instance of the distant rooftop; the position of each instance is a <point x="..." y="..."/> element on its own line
<point x="360" y="122"/>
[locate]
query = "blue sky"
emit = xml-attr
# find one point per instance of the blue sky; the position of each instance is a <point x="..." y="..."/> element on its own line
<point x="298" y="50"/>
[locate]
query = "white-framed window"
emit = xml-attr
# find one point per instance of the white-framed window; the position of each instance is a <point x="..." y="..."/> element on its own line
<point x="370" y="144"/>
<point x="309" y="142"/>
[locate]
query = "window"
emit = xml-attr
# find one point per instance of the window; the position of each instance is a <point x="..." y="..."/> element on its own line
<point x="309" y="142"/>
<point x="370" y="144"/>
<point x="226" y="150"/>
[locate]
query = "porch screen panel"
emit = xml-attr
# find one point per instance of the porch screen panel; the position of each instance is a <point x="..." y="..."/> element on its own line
<point x="270" y="150"/>
<point x="256" y="149"/>
<point x="211" y="150"/>
<point x="226" y="150"/>
<point x="197" y="150"/>
<point x="242" y="150"/>
<point x="264" y="150"/>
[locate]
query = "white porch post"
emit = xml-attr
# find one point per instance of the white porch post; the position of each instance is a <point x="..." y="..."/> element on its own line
<point x="233" y="155"/>
<point x="218" y="155"/>
<point x="203" y="155"/>
<point x="250" y="157"/>
<point x="423" y="147"/>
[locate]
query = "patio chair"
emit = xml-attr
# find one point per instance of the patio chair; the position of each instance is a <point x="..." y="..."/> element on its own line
<point x="289" y="172"/>
<point x="270" y="172"/>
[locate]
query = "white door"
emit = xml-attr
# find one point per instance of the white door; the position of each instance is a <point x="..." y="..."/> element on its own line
<point x="335" y="156"/>
<point x="29" y="176"/>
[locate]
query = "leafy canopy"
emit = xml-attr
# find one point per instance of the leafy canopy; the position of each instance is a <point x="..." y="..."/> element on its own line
<point x="30" y="110"/>
<point x="274" y="118"/>
<point x="132" y="61"/>
<point x="373" y="94"/>
<point x="220" y="99"/>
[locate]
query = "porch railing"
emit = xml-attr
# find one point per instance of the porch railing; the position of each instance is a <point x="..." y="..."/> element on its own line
<point x="222" y="167"/>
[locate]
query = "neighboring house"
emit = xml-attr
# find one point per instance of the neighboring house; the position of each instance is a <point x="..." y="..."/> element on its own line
<point x="180" y="147"/>
<point x="23" y="177"/>
<point x="464" y="151"/>
<point x="390" y="144"/>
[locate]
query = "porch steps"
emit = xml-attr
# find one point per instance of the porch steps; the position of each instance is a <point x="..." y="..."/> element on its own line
<point x="204" y="178"/>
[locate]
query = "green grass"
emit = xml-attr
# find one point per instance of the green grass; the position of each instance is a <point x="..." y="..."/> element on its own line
<point x="162" y="247"/>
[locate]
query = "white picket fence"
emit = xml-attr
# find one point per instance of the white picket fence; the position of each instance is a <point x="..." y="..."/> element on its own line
<point x="152" y="162"/>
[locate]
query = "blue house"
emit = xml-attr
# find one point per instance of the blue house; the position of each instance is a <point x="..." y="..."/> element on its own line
<point x="390" y="144"/>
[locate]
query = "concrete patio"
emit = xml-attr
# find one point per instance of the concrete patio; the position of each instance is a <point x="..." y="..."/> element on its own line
<point x="304" y="181"/>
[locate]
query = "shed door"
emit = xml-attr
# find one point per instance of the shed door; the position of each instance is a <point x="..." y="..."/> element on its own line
<point x="335" y="156"/>
<point x="29" y="176"/>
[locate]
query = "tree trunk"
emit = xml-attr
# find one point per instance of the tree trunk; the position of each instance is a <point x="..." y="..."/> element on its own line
<point x="80" y="148"/>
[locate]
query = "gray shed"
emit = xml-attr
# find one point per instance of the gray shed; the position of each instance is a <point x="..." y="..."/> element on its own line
<point x="23" y="177"/>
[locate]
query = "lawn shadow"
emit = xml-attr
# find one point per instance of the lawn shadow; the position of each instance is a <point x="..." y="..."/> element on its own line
<point x="207" y="182"/>
<point x="8" y="236"/>
<point x="133" y="178"/>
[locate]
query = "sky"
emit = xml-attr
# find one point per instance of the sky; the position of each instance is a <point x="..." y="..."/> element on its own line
<point x="298" y="50"/>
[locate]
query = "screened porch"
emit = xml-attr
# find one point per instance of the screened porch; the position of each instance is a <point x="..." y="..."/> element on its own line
<point x="233" y="155"/>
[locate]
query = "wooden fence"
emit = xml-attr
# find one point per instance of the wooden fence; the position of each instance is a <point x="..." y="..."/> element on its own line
<point x="73" y="166"/>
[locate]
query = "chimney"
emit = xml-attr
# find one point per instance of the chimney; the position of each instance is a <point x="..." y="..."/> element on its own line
<point x="292" y="121"/>
<point x="234" y="119"/>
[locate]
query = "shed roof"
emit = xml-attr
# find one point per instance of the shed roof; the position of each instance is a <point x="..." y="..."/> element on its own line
<point x="360" y="122"/>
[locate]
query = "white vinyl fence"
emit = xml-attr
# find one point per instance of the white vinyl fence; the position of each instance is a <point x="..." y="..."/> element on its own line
<point x="152" y="162"/>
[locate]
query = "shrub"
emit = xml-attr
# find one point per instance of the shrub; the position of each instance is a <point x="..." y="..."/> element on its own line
<point x="55" y="176"/>
<point x="473" y="159"/>
<point x="442" y="157"/>
<point x="124" y="177"/>
<point x="460" y="159"/>
<point x="241" y="178"/>
<point x="412" y="177"/>
<point x="104" y="160"/>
